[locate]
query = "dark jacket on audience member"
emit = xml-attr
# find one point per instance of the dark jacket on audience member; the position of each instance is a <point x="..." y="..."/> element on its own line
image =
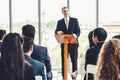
<point x="91" y="57"/>
<point x="29" y="72"/>
<point x="0" y="46"/>
<point x="40" y="53"/>
<point x="37" y="66"/>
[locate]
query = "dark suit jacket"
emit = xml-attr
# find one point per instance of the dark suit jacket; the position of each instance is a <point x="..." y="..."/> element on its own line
<point x="29" y="72"/>
<point x="92" y="56"/>
<point x="73" y="27"/>
<point x="0" y="46"/>
<point x="40" y="53"/>
<point x="37" y="66"/>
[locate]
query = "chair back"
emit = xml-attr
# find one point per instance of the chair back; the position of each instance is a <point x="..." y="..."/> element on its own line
<point x="38" y="77"/>
<point x="90" y="69"/>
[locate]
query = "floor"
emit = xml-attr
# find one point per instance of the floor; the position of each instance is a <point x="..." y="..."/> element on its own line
<point x="57" y="76"/>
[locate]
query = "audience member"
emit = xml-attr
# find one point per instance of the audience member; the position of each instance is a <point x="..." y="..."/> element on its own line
<point x="81" y="70"/>
<point x="37" y="65"/>
<point x="98" y="37"/>
<point x="40" y="53"/>
<point x="108" y="65"/>
<point x="13" y="66"/>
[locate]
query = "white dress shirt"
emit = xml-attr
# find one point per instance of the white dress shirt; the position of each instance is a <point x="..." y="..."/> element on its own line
<point x="66" y="22"/>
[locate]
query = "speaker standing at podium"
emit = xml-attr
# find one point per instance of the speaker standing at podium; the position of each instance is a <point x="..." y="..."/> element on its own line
<point x="69" y="25"/>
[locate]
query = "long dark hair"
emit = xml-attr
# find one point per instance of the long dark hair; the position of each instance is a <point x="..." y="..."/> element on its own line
<point x="12" y="60"/>
<point x="91" y="43"/>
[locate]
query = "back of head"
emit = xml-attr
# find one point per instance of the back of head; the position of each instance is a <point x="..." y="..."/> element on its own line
<point x="28" y="43"/>
<point x="12" y="57"/>
<point x="28" y="31"/>
<point x="2" y="33"/>
<point x="100" y="33"/>
<point x="116" y="36"/>
<point x="108" y="66"/>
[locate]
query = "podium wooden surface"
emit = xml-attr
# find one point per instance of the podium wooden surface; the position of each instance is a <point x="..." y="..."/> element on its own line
<point x="66" y="39"/>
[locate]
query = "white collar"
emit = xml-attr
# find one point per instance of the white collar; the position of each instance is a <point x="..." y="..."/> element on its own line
<point x="67" y="18"/>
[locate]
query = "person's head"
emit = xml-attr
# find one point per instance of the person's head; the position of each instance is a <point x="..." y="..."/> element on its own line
<point x="116" y="36"/>
<point x="91" y="43"/>
<point x="12" y="59"/>
<point x="108" y="65"/>
<point x="28" y="31"/>
<point x="65" y="12"/>
<point x="99" y="34"/>
<point x="28" y="45"/>
<point x="2" y="34"/>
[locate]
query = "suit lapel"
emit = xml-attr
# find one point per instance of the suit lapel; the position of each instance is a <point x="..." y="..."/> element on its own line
<point x="63" y="22"/>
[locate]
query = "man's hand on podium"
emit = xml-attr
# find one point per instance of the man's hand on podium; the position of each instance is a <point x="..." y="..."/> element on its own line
<point x="75" y="35"/>
<point x="60" y="33"/>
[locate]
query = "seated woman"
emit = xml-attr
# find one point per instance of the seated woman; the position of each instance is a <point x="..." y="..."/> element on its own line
<point x="81" y="70"/>
<point x="108" y="65"/>
<point x="12" y="63"/>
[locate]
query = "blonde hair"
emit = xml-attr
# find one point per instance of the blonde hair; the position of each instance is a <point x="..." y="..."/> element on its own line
<point x="108" y="65"/>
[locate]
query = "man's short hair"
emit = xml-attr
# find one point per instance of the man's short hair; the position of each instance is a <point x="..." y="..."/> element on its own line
<point x="28" y="31"/>
<point x="64" y="8"/>
<point x="2" y="33"/>
<point x="100" y="33"/>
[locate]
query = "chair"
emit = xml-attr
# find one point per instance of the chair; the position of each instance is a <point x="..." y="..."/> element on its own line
<point x="38" y="77"/>
<point x="90" y="69"/>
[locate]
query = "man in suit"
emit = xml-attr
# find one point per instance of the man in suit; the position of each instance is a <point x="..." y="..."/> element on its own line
<point x="99" y="36"/>
<point x="69" y="25"/>
<point x="40" y="53"/>
<point x="37" y="65"/>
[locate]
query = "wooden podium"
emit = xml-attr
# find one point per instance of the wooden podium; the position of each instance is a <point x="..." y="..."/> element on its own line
<point x="66" y="39"/>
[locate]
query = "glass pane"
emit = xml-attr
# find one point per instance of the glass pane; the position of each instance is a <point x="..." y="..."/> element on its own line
<point x="51" y="13"/>
<point x="110" y="16"/>
<point x="25" y="12"/>
<point x="4" y="15"/>
<point x="85" y="12"/>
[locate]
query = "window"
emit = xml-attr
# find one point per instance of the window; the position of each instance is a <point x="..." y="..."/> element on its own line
<point x="50" y="14"/>
<point x="4" y="15"/>
<point x="109" y="15"/>
<point x="24" y="12"/>
<point x="85" y="11"/>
